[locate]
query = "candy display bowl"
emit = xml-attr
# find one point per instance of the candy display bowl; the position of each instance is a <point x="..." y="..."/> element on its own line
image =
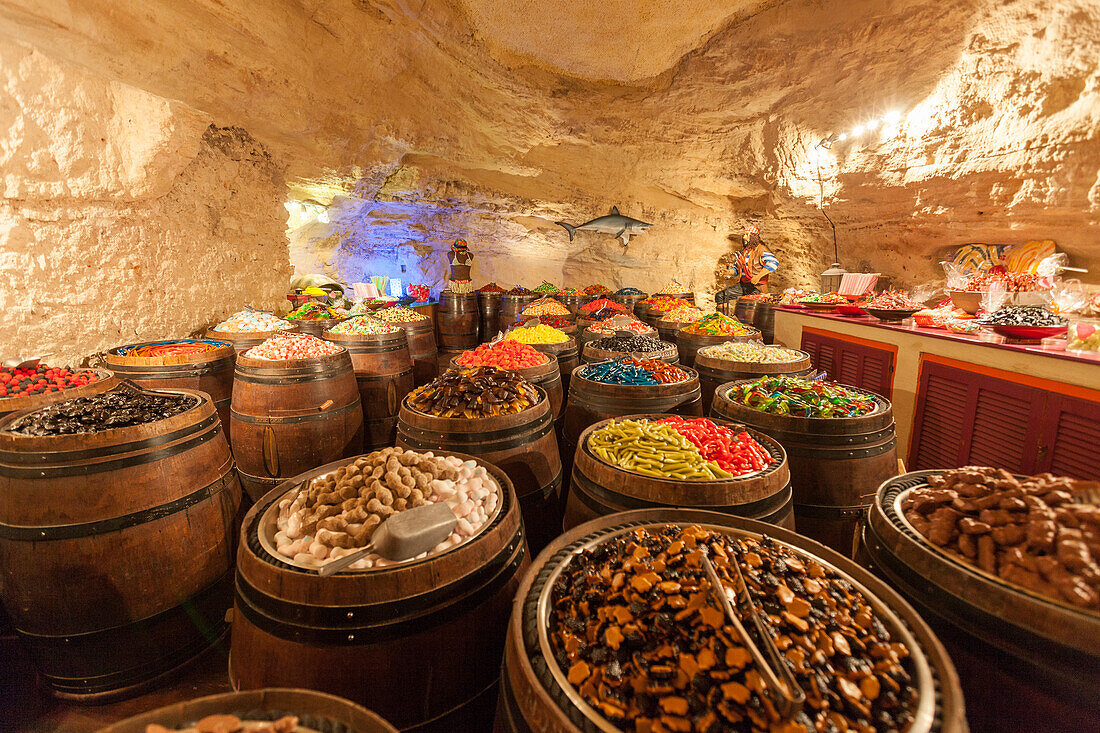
<point x="850" y="310"/>
<point x="892" y="315"/>
<point x="1030" y="333"/>
<point x="967" y="300"/>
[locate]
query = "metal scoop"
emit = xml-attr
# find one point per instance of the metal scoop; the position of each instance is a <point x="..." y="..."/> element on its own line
<point x="786" y="694"/>
<point x="402" y="536"/>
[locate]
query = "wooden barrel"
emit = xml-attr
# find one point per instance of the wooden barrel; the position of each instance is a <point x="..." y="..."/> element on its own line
<point x="1021" y="656"/>
<point x="547" y="376"/>
<point x="836" y="464"/>
<point x="489" y="323"/>
<point x="590" y="402"/>
<point x="384" y="372"/>
<point x="419" y="642"/>
<point x="690" y="343"/>
<point x="458" y="320"/>
<point x="566" y="354"/>
<point x="745" y="309"/>
<point x="522" y="445"/>
<point x="689" y="297"/>
<point x="242" y="341"/>
<point x="421" y="338"/>
<point x="317" y="327"/>
<point x="512" y="305"/>
<point x="314" y="710"/>
<point x="291" y="416"/>
<point x="714" y="372"/>
<point x="207" y="371"/>
<point x="641" y="310"/>
<point x="591" y="354"/>
<point x="11" y="405"/>
<point x="573" y="302"/>
<point x="533" y="699"/>
<point x="597" y="488"/>
<point x="446" y="359"/>
<point x="667" y="329"/>
<point x="116" y="548"/>
<point x="630" y="300"/>
<point x="764" y="321"/>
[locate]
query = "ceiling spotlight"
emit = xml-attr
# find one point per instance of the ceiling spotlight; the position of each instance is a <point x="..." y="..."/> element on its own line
<point x="872" y="124"/>
<point x="857" y="131"/>
<point x="892" y="117"/>
<point x="842" y="136"/>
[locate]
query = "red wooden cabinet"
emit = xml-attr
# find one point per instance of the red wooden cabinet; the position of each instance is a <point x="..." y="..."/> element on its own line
<point x="966" y="417"/>
<point x="851" y="361"/>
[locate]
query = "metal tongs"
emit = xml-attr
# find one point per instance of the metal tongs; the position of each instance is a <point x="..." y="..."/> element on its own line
<point x="786" y="694"/>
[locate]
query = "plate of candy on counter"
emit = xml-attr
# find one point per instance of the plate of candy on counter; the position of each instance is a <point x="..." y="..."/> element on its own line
<point x="823" y="302"/>
<point x="892" y="306"/>
<point x="1026" y="322"/>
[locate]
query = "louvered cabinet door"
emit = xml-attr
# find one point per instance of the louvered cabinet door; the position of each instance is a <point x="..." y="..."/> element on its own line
<point x="856" y="364"/>
<point x="1070" y="438"/>
<point x="966" y="418"/>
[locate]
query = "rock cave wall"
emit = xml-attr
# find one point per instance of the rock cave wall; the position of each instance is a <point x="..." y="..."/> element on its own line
<point x="125" y="217"/>
<point x="403" y="124"/>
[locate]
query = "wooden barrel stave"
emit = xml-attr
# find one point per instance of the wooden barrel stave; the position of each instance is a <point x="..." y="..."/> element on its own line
<point x="836" y="464"/>
<point x="384" y="375"/>
<point x="458" y="318"/>
<point x="375" y="637"/>
<point x="242" y="341"/>
<point x="209" y="371"/>
<point x="566" y="354"/>
<point x="764" y="322"/>
<point x="291" y="416"/>
<point x="146" y="571"/>
<point x="423" y="350"/>
<point x="522" y="445"/>
<point x="511" y="305"/>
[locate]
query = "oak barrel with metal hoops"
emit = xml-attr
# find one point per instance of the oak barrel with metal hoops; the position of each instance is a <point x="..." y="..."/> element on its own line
<point x="512" y="304"/>
<point x="535" y="695"/>
<point x="209" y="371"/>
<point x="837" y="463"/>
<point x="314" y="710"/>
<point x="714" y="372"/>
<point x="458" y="320"/>
<point x="566" y="354"/>
<point x="689" y="343"/>
<point x="420" y="335"/>
<point x="764" y="321"/>
<point x="116" y="548"/>
<point x="523" y="445"/>
<point x="489" y="323"/>
<point x="572" y="302"/>
<point x="589" y="402"/>
<point x="667" y="329"/>
<point x="384" y="372"/>
<point x="598" y="488"/>
<point x="591" y="354"/>
<point x="1023" y="657"/>
<point x="745" y="309"/>
<point x="290" y="416"/>
<point x="419" y="642"/>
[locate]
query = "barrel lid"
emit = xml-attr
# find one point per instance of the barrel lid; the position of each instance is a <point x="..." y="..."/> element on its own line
<point x="1050" y="618"/>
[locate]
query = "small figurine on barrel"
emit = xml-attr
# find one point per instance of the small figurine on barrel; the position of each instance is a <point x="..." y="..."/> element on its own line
<point x="462" y="260"/>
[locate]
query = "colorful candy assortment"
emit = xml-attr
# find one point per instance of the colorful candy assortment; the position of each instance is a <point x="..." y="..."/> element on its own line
<point x="633" y="371"/>
<point x="603" y="304"/>
<point x="546" y="287"/>
<point x="752" y="353"/>
<point x="664" y="303"/>
<point x="283" y="346"/>
<point x="313" y="311"/>
<point x="252" y="322"/>
<point x="180" y="347"/>
<point x="673" y="288"/>
<point x="40" y="379"/>
<point x="572" y="292"/>
<point x="400" y="315"/>
<point x="790" y="296"/>
<point x="683" y="314"/>
<point x="555" y="321"/>
<point x="363" y="326"/>
<point x="717" y="324"/>
<point x="824" y="298"/>
<point x="609" y="326"/>
<point x="893" y="300"/>
<point x="473" y="393"/>
<point x="737" y="453"/>
<point x="419" y="293"/>
<point x="798" y="397"/>
<point x="1014" y="282"/>
<point x="504" y="354"/>
<point x="536" y="335"/>
<point x="596" y="289"/>
<point x="648" y="448"/>
<point x="546" y="307"/>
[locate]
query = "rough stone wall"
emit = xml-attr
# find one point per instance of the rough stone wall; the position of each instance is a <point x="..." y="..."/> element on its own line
<point x="406" y="123"/>
<point x="124" y="217"/>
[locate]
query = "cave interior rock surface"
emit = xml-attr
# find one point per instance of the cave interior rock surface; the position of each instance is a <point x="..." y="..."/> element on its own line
<point x="167" y="162"/>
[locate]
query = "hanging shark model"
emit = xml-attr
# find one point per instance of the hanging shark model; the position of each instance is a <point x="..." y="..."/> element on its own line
<point x="614" y="223"/>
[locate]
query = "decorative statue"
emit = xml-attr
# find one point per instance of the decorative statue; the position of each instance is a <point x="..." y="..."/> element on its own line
<point x="462" y="259"/>
<point x="748" y="269"/>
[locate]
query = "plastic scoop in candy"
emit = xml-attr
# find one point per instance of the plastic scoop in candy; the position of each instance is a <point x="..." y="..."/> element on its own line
<point x="402" y="536"/>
